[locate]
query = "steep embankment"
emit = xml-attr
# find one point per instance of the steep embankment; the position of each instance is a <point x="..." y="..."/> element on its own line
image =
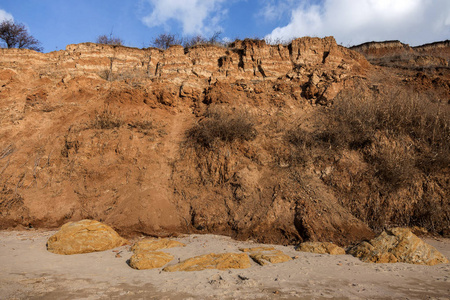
<point x="183" y="140"/>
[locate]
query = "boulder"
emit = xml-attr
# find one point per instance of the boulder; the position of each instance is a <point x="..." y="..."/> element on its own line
<point x="398" y="245"/>
<point x="155" y="244"/>
<point x="83" y="237"/>
<point x="221" y="261"/>
<point x="149" y="260"/>
<point x="321" y="248"/>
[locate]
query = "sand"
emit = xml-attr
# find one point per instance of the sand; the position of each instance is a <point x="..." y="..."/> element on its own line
<point x="29" y="271"/>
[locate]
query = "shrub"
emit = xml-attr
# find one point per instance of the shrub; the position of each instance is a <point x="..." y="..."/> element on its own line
<point x="109" y="40"/>
<point x="165" y="40"/>
<point x="106" y="119"/>
<point x="219" y="125"/>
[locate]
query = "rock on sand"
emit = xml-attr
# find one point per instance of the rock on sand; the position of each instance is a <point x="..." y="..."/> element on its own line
<point x="221" y="261"/>
<point x="398" y="245"/>
<point x="83" y="237"/>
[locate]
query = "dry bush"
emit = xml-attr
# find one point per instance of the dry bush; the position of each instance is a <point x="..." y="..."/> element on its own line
<point x="109" y="40"/>
<point x="402" y="141"/>
<point x="106" y="119"/>
<point x="221" y="125"/>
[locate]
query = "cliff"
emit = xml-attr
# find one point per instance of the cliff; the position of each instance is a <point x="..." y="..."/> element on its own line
<point x="188" y="140"/>
<point x="435" y="54"/>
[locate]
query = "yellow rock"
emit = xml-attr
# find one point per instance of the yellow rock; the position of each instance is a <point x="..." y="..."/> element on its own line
<point x="274" y="257"/>
<point x="256" y="249"/>
<point x="149" y="260"/>
<point x="321" y="248"/>
<point x="155" y="244"/>
<point x="222" y="261"/>
<point x="83" y="237"/>
<point x="398" y="245"/>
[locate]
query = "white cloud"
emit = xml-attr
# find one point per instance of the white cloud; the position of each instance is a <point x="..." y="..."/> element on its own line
<point x="5" y="16"/>
<point x="356" y="21"/>
<point x="195" y="16"/>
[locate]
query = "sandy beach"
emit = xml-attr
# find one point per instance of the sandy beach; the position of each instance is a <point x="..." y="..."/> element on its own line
<point x="29" y="271"/>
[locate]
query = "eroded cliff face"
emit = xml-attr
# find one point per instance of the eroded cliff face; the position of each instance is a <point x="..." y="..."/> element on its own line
<point x="102" y="132"/>
<point x="402" y="55"/>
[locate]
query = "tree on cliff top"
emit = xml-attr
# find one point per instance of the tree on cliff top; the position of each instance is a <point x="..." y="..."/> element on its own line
<point x="17" y="36"/>
<point x="109" y="40"/>
<point x="165" y="40"/>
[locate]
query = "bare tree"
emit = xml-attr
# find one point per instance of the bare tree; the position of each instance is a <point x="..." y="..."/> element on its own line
<point x="195" y="40"/>
<point x="165" y="40"/>
<point x="109" y="40"/>
<point x="199" y="40"/>
<point x="17" y="36"/>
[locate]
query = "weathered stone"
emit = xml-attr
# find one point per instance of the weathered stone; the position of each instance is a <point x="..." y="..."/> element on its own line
<point x="155" y="244"/>
<point x="222" y="261"/>
<point x="321" y="248"/>
<point x="266" y="257"/>
<point x="398" y="245"/>
<point x="83" y="237"/>
<point x="149" y="260"/>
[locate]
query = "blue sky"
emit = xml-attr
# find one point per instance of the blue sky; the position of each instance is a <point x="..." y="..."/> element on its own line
<point x="57" y="23"/>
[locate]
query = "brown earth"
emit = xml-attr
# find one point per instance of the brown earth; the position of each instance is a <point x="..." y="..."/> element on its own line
<point x="115" y="134"/>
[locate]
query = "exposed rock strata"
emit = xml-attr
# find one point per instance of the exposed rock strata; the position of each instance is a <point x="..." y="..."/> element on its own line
<point x="101" y="132"/>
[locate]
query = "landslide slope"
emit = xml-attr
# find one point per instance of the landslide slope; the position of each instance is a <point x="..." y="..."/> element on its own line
<point x="234" y="140"/>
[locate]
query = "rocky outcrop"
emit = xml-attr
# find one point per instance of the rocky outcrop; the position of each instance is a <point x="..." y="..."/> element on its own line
<point x="83" y="237"/>
<point x="223" y="261"/>
<point x="398" y="245"/>
<point x="321" y="248"/>
<point x="395" y="53"/>
<point x="155" y="244"/>
<point x="143" y="260"/>
<point x="382" y="48"/>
